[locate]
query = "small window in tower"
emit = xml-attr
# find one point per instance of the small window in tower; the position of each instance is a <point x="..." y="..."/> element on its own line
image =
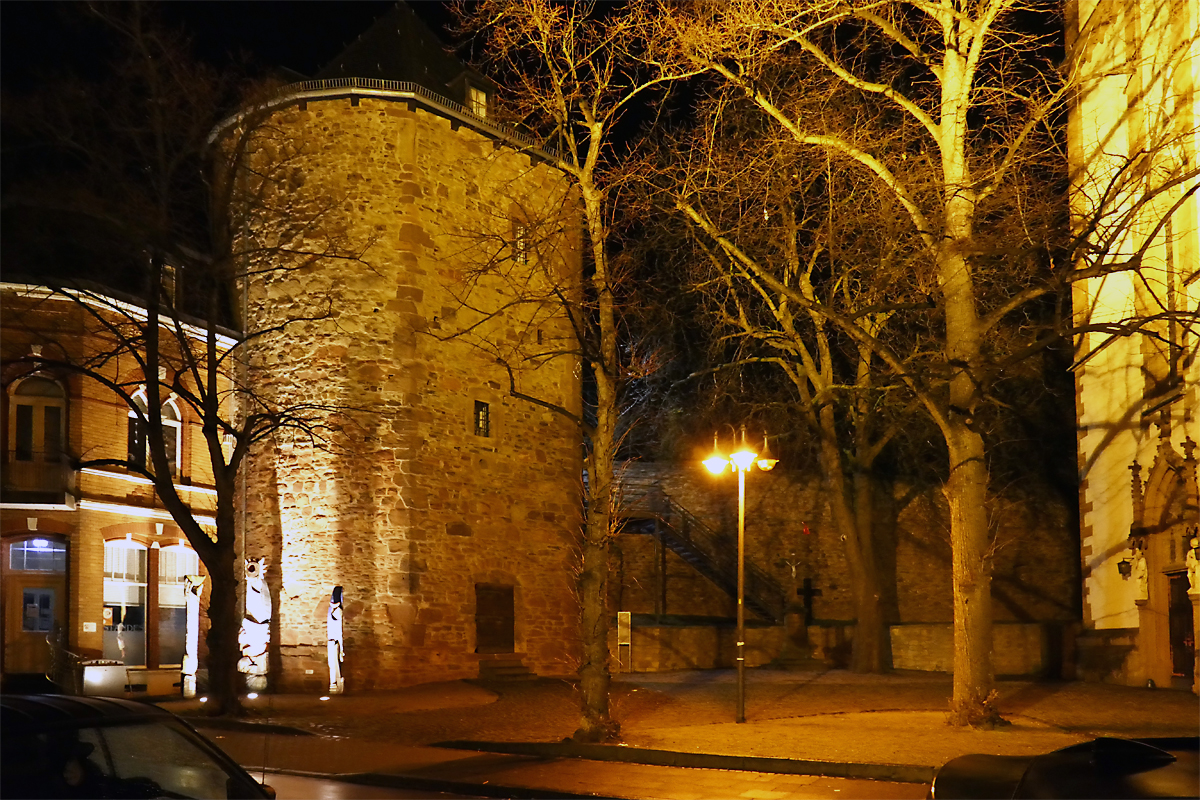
<point x="521" y="243"/>
<point x="477" y="101"/>
<point x="483" y="422"/>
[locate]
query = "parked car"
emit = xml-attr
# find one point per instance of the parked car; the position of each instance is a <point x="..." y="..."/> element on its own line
<point x="99" y="747"/>
<point x="1101" y="768"/>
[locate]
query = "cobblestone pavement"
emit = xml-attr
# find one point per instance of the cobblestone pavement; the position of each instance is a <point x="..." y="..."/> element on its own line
<point x="828" y="716"/>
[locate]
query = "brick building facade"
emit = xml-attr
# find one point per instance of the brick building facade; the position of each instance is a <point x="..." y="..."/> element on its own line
<point x="89" y="554"/>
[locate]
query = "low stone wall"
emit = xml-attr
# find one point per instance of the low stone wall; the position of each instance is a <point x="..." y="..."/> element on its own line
<point x="661" y="648"/>
<point x="1017" y="648"/>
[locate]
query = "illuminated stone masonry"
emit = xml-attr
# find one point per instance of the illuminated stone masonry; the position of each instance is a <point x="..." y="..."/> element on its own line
<point x="447" y="509"/>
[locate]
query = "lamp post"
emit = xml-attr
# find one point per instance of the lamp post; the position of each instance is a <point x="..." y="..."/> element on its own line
<point x="741" y="462"/>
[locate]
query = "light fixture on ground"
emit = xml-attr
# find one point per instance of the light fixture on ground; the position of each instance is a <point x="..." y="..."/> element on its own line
<point x="741" y="462"/>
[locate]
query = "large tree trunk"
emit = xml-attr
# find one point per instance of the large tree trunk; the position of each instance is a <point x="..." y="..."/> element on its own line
<point x="870" y="630"/>
<point x="222" y="638"/>
<point x="596" y="724"/>
<point x="972" y="702"/>
<point x="847" y="499"/>
<point x="967" y="485"/>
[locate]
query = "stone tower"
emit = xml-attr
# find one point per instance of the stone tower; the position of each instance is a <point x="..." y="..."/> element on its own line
<point x="446" y="507"/>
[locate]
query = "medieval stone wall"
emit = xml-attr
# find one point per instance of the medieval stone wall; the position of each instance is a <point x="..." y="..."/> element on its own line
<point x="788" y="525"/>
<point x="403" y="504"/>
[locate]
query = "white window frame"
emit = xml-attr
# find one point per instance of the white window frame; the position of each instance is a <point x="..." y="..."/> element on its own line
<point x="140" y="398"/>
<point x="38" y="404"/>
<point x="477" y="101"/>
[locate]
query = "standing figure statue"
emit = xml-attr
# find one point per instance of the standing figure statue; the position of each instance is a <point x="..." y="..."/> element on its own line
<point x="255" y="634"/>
<point x="1193" y="578"/>
<point x="193" y="587"/>
<point x="1141" y="574"/>
<point x="337" y="650"/>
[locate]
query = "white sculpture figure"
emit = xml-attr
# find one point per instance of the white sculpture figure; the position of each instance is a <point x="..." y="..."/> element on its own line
<point x="1193" y="578"/>
<point x="1141" y="575"/>
<point x="255" y="633"/>
<point x="193" y="587"/>
<point x="333" y="625"/>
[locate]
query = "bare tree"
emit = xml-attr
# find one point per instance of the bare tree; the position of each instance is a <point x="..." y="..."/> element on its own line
<point x="569" y="78"/>
<point x="970" y="88"/>
<point x="762" y="204"/>
<point x="130" y="159"/>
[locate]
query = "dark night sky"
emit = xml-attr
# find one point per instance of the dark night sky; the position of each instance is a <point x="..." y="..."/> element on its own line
<point x="302" y="36"/>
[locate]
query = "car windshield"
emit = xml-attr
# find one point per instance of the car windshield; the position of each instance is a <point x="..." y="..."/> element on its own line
<point x="144" y="759"/>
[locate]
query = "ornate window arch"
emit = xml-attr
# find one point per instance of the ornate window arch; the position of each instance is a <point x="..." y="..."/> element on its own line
<point x="172" y="422"/>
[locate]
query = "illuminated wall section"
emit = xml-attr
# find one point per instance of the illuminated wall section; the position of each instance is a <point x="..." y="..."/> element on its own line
<point x="407" y="504"/>
<point x="1133" y="155"/>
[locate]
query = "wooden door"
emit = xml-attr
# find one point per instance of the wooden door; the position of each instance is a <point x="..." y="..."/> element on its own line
<point x="494" y="619"/>
<point x="1183" y="642"/>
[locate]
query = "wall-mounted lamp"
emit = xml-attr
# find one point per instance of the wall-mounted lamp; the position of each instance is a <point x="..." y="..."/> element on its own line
<point x="1125" y="567"/>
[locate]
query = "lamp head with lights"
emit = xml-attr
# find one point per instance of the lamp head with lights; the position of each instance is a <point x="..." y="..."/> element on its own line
<point x="716" y="463"/>
<point x="741" y="461"/>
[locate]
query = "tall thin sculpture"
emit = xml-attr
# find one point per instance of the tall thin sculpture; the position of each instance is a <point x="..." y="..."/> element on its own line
<point x="193" y="587"/>
<point x="336" y="646"/>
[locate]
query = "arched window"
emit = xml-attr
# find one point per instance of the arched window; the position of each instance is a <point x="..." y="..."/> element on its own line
<point x="38" y="420"/>
<point x="172" y="433"/>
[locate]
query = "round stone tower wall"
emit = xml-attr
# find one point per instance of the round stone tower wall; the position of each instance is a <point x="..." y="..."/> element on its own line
<point x="402" y="498"/>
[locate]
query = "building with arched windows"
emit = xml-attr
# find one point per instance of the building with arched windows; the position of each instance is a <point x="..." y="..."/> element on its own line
<point x="1134" y="140"/>
<point x="93" y="564"/>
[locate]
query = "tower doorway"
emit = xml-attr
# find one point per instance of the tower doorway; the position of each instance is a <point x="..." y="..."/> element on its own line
<point x="494" y="619"/>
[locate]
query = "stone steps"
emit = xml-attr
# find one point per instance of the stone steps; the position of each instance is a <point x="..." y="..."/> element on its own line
<point x="504" y="667"/>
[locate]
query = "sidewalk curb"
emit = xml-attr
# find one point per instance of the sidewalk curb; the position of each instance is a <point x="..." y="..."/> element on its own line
<point x="400" y="780"/>
<point x="900" y="773"/>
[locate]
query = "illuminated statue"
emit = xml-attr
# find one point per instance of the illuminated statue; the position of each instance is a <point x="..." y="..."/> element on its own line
<point x="255" y="634"/>
<point x="193" y="587"/>
<point x="1193" y="579"/>
<point x="1141" y="574"/>
<point x="337" y="650"/>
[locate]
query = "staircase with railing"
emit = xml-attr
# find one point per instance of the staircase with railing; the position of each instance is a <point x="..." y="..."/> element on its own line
<point x="699" y="545"/>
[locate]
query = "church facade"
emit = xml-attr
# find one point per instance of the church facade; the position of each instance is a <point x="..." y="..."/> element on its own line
<point x="1134" y="137"/>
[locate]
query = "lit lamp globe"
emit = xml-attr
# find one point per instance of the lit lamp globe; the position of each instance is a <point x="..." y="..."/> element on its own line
<point x="766" y="461"/>
<point x="716" y="463"/>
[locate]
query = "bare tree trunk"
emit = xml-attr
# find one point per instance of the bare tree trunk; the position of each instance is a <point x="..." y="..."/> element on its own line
<point x="972" y="702"/>
<point x="596" y="723"/>
<point x="870" y="630"/>
<point x="855" y="527"/>
<point x="222" y="637"/>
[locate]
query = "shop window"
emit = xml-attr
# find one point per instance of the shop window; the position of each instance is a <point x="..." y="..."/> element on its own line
<point x="138" y="448"/>
<point x="145" y="608"/>
<point x="125" y="573"/>
<point x="37" y="555"/>
<point x="38" y="420"/>
<point x="175" y="563"/>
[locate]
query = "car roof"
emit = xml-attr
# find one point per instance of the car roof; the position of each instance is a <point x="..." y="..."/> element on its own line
<point x="51" y="711"/>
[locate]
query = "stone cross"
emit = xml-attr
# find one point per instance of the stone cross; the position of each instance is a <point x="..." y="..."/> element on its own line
<point x="808" y="593"/>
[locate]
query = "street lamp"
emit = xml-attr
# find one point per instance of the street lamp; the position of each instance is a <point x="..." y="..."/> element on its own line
<point x="741" y="462"/>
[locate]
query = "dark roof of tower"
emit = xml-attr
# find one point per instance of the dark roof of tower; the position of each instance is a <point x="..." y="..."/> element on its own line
<point x="400" y="47"/>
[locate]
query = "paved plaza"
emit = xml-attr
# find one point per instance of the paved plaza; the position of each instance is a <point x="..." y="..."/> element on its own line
<point x="807" y="734"/>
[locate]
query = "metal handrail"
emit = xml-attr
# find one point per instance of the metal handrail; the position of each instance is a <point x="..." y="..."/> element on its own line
<point x="384" y="86"/>
<point x="649" y="497"/>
